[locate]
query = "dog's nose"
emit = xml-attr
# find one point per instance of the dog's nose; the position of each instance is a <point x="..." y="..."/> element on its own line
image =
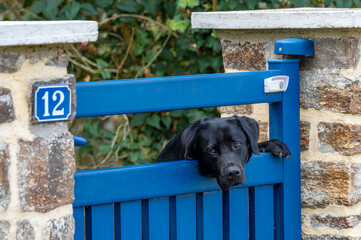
<point x="233" y="172"/>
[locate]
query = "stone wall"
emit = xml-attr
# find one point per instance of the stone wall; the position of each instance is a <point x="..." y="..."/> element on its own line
<point x="36" y="160"/>
<point x="330" y="121"/>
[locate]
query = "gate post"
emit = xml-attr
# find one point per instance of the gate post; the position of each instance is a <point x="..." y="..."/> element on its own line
<point x="36" y="159"/>
<point x="330" y="99"/>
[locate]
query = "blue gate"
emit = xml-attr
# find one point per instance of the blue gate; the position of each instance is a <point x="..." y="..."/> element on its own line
<point x="171" y="200"/>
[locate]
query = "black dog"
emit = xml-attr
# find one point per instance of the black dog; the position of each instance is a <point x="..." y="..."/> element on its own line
<point x="222" y="147"/>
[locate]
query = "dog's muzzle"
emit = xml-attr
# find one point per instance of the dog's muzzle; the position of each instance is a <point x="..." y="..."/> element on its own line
<point x="230" y="176"/>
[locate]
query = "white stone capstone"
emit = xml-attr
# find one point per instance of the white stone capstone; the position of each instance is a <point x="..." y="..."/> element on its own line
<point x="296" y="18"/>
<point x="17" y="33"/>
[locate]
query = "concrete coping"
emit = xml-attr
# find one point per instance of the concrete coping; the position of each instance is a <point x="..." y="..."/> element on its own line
<point x="296" y="18"/>
<point x="18" y="33"/>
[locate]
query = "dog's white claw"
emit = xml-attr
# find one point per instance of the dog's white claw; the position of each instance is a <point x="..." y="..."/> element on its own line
<point x="280" y="155"/>
<point x="263" y="150"/>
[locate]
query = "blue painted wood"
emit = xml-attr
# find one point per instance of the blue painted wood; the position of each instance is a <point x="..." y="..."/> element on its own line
<point x="238" y="214"/>
<point x="212" y="215"/>
<point x="163" y="179"/>
<point x="131" y="220"/>
<point x="159" y="219"/>
<point x="79" y="218"/>
<point x="285" y="122"/>
<point x="263" y="213"/>
<point x="294" y="46"/>
<point x="117" y="223"/>
<point x="102" y="222"/>
<point x="79" y="141"/>
<point x="88" y="223"/>
<point x="186" y="217"/>
<point x="154" y="94"/>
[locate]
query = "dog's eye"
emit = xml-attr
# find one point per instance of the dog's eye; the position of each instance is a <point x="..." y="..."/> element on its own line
<point x="236" y="145"/>
<point x="212" y="150"/>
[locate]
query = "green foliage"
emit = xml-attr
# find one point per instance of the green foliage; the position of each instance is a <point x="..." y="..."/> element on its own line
<point x="140" y="38"/>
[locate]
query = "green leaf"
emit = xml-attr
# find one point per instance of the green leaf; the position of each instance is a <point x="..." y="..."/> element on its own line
<point x="300" y="3"/>
<point x="37" y="7"/>
<point x="214" y="43"/>
<point x="103" y="3"/>
<point x="50" y="13"/>
<point x="101" y="63"/>
<point x="344" y="3"/>
<point x="89" y="9"/>
<point x="71" y="10"/>
<point x="51" y="4"/>
<point x="251" y="3"/>
<point x="150" y="6"/>
<point x="357" y="3"/>
<point x="180" y="26"/>
<point x="128" y="6"/>
<point x="51" y="9"/>
<point x="154" y="121"/>
<point x="133" y="157"/>
<point x="188" y="3"/>
<point x="178" y="113"/>
<point x="103" y="149"/>
<point x="167" y="121"/>
<point x="106" y="74"/>
<point x="138" y="119"/>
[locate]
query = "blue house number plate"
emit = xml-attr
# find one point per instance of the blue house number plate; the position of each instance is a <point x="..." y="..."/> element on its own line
<point x="52" y="102"/>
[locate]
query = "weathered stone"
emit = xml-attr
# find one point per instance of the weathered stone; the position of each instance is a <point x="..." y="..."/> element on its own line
<point x="329" y="90"/>
<point x="24" y="231"/>
<point x="335" y="222"/>
<point x="332" y="53"/>
<point x="236" y="109"/>
<point x="328" y="237"/>
<point x="325" y="183"/>
<point x="4" y="230"/>
<point x="11" y="62"/>
<point x="339" y="137"/>
<point x="7" y="112"/>
<point x="58" y="229"/>
<point x="246" y="56"/>
<point x="4" y="176"/>
<point x="45" y="172"/>
<point x="68" y="79"/>
<point x="59" y="61"/>
<point x="263" y="131"/>
<point x="305" y="135"/>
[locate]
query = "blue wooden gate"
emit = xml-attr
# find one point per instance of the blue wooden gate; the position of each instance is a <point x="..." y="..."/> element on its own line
<point x="171" y="200"/>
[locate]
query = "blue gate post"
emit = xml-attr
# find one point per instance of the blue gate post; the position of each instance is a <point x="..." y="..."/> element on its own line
<point x="284" y="122"/>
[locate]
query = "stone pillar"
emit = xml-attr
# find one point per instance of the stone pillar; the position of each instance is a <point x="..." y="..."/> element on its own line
<point x="36" y="160"/>
<point x="330" y="104"/>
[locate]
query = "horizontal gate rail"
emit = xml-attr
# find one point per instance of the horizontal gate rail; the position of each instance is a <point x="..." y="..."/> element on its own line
<point x="170" y="93"/>
<point x="111" y="185"/>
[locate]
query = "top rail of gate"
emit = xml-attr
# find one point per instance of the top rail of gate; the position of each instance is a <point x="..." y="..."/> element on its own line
<point x="171" y="93"/>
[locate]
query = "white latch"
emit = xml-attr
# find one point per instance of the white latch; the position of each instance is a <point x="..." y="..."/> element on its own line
<point x="276" y="84"/>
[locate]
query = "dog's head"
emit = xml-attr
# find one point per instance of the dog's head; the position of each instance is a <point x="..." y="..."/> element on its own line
<point x="222" y="147"/>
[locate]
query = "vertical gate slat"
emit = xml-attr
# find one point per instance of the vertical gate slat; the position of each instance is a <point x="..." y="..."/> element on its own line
<point x="238" y="214"/>
<point x="102" y="222"/>
<point x="212" y="215"/>
<point x="131" y="220"/>
<point x="263" y="213"/>
<point x="79" y="218"/>
<point x="186" y="217"/>
<point x="159" y="219"/>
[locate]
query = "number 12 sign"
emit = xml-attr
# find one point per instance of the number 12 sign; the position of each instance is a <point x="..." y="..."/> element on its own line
<point x="52" y="102"/>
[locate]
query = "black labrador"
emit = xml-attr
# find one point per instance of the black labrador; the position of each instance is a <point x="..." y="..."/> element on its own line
<point x="222" y="147"/>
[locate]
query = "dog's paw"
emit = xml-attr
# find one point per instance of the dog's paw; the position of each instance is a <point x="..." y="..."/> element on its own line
<point x="276" y="147"/>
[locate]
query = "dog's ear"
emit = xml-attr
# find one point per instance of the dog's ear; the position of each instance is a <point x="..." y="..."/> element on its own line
<point x="251" y="128"/>
<point x="189" y="138"/>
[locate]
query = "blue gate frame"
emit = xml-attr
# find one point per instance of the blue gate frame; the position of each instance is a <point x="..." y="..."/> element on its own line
<point x="171" y="200"/>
